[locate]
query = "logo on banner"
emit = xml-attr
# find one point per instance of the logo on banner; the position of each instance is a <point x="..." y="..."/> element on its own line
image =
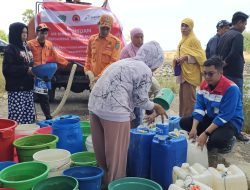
<point x="76" y="18"/>
<point x="62" y="18"/>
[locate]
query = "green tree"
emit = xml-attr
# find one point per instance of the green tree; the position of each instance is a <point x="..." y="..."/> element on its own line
<point x="3" y="35"/>
<point x="28" y="15"/>
<point x="246" y="41"/>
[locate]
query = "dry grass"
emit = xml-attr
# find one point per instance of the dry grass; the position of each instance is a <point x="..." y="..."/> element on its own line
<point x="2" y="81"/>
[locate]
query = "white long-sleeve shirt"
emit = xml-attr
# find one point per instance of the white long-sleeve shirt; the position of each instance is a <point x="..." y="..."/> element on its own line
<point x="123" y="86"/>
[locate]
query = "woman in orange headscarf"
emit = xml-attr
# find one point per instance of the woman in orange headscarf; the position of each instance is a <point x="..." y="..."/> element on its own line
<point x="190" y="58"/>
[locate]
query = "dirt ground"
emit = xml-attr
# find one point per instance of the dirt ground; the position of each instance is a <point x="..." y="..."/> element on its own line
<point x="76" y="104"/>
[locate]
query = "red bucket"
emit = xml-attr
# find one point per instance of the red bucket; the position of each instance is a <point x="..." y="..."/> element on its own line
<point x="44" y="130"/>
<point x="7" y="136"/>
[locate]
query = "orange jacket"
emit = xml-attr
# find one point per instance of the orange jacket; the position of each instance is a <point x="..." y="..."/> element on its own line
<point x="45" y="54"/>
<point x="102" y="52"/>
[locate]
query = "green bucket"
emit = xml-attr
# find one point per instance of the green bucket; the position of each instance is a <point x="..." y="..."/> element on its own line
<point x="164" y="98"/>
<point x="29" y="145"/>
<point x="134" y="183"/>
<point x="57" y="183"/>
<point x="85" y="126"/>
<point x="83" y="159"/>
<point x="84" y="138"/>
<point x="23" y="176"/>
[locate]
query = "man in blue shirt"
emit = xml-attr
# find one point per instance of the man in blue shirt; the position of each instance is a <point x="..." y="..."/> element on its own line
<point x="218" y="114"/>
<point x="222" y="27"/>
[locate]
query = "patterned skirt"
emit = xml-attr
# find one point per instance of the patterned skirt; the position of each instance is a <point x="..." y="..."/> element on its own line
<point x="21" y="107"/>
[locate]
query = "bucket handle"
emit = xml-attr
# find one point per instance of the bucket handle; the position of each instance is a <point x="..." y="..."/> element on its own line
<point x="56" y="169"/>
<point x="6" y="134"/>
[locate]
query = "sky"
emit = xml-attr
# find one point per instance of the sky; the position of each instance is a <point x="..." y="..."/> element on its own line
<point x="159" y="19"/>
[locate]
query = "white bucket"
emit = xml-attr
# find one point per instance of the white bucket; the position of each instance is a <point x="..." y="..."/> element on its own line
<point x="26" y="129"/>
<point x="89" y="144"/>
<point x="57" y="159"/>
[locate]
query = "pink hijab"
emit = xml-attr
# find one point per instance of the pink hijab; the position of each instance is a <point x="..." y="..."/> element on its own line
<point x="130" y="50"/>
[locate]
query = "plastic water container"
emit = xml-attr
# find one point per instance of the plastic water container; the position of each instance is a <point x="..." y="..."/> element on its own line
<point x="83" y="159"/>
<point x="6" y="164"/>
<point x="89" y="144"/>
<point x="58" y="160"/>
<point x="57" y="183"/>
<point x="139" y="152"/>
<point x="69" y="133"/>
<point x="29" y="145"/>
<point x="26" y="129"/>
<point x="197" y="172"/>
<point x="68" y="117"/>
<point x="89" y="177"/>
<point x="231" y="178"/>
<point x="165" y="155"/>
<point x="24" y="176"/>
<point x="188" y="184"/>
<point x="196" y="155"/>
<point x="7" y="136"/>
<point x="174" y="123"/>
<point x="45" y="123"/>
<point x="133" y="183"/>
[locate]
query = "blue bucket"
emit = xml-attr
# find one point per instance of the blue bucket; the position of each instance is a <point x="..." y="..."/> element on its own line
<point x="69" y="133"/>
<point x="6" y="164"/>
<point x="89" y="177"/>
<point x="68" y="117"/>
<point x="45" y="123"/>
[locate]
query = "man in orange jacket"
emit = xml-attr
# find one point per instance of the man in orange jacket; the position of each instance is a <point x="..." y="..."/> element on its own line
<point x="43" y="52"/>
<point x="103" y="49"/>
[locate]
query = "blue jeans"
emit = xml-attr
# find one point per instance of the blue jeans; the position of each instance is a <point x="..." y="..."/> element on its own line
<point x="238" y="82"/>
<point x="138" y="117"/>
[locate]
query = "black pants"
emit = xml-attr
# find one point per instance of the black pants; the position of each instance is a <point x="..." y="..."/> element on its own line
<point x="220" y="137"/>
<point x="44" y="103"/>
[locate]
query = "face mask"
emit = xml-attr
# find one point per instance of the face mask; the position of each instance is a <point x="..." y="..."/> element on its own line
<point x="104" y="32"/>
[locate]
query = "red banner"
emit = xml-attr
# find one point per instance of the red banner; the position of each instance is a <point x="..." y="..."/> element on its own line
<point x="71" y="25"/>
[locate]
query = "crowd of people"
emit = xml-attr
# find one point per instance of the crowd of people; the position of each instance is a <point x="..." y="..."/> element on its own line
<point x="122" y="82"/>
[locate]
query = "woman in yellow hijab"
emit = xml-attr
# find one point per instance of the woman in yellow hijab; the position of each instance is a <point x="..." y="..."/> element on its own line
<point x="190" y="58"/>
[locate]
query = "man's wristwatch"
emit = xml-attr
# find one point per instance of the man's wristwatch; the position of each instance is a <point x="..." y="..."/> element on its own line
<point x="207" y="133"/>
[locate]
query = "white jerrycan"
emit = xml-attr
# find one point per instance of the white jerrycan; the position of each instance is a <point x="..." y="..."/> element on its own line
<point x="231" y="178"/>
<point x="196" y="155"/>
<point x="191" y="185"/>
<point x="198" y="173"/>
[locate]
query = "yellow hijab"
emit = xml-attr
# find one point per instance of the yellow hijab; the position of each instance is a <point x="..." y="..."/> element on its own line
<point x="190" y="45"/>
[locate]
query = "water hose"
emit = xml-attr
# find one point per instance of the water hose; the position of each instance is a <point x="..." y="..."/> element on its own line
<point x="67" y="91"/>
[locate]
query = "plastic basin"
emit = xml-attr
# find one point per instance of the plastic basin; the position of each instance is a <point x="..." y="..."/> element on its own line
<point x="83" y="159"/>
<point x="6" y="164"/>
<point x="24" y="176"/>
<point x="57" y="183"/>
<point x="29" y="145"/>
<point x="134" y="183"/>
<point x="89" y="177"/>
<point x="57" y="159"/>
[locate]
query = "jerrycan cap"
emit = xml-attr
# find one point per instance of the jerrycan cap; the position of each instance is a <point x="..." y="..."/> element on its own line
<point x="162" y="129"/>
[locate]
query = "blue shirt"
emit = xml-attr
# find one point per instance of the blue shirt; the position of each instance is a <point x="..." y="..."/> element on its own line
<point x="222" y="104"/>
<point x="212" y="46"/>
